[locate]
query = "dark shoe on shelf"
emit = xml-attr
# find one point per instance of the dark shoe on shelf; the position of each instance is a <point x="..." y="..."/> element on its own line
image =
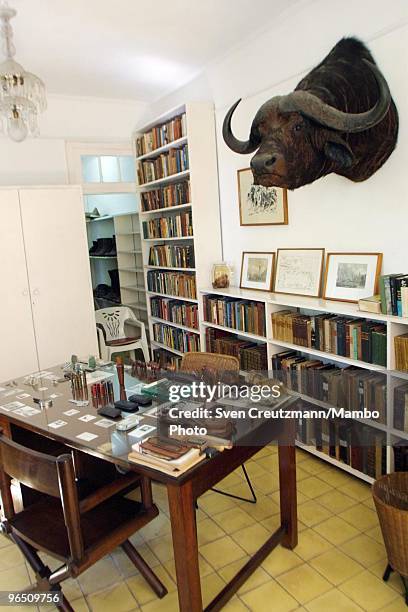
<point x="114" y="276"/>
<point x="112" y="252"/>
<point x="105" y="245"/>
<point x="93" y="248"/>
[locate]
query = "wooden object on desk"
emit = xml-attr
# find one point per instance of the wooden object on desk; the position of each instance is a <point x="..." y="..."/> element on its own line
<point x="78" y="533"/>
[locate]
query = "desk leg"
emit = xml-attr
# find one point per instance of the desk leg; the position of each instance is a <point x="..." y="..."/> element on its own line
<point x="288" y="495"/>
<point x="184" y="531"/>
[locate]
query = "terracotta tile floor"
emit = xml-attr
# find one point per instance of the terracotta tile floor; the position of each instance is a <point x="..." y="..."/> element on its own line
<point x="336" y="567"/>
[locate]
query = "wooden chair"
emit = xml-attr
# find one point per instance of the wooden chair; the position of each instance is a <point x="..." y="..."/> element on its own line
<point x="78" y="532"/>
<point x="196" y="362"/>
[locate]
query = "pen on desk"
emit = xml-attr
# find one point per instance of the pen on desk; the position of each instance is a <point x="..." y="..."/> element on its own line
<point x="111" y="396"/>
<point x="84" y="385"/>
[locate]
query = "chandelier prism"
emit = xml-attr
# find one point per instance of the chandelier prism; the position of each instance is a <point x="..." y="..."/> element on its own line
<point x="22" y="94"/>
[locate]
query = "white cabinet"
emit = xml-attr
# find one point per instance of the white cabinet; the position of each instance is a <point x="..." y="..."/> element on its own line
<point x="46" y="307"/>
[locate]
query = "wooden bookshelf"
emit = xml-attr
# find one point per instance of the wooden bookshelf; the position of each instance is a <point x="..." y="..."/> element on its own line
<point x="203" y="204"/>
<point x="275" y="302"/>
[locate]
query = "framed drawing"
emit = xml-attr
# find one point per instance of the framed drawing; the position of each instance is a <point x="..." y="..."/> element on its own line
<point x="351" y="276"/>
<point x="260" y="205"/>
<point x="257" y="271"/>
<point x="299" y="271"/>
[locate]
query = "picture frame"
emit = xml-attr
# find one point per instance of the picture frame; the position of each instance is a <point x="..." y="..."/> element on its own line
<point x="350" y="277"/>
<point x="267" y="206"/>
<point x="257" y="270"/>
<point x="299" y="271"/>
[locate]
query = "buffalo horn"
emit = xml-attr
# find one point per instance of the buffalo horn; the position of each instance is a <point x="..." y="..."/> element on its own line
<point x="239" y="146"/>
<point x="311" y="106"/>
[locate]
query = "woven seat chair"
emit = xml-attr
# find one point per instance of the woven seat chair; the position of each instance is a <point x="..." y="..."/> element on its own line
<point x="195" y="362"/>
<point x="390" y="495"/>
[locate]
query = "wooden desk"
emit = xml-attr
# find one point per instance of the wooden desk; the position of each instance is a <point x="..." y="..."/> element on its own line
<point x="182" y="491"/>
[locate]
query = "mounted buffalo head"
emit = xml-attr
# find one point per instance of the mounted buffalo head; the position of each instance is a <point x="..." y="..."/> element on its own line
<point x="340" y="118"/>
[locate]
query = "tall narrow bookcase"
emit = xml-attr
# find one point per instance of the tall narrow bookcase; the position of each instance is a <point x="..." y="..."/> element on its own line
<point x="179" y="211"/>
<point x="273" y="303"/>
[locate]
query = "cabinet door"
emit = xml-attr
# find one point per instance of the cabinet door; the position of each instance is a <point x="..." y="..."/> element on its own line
<point x="58" y="268"/>
<point x="18" y="354"/>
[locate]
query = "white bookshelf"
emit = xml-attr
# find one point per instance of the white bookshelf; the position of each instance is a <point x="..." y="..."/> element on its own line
<point x="204" y="206"/>
<point x="274" y="302"/>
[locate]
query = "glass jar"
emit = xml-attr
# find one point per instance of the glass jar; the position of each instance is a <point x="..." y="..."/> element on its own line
<point x="221" y="275"/>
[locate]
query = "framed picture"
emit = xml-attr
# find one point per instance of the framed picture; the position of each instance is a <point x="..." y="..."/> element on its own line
<point x="299" y="271"/>
<point x="351" y="276"/>
<point x="257" y="271"/>
<point x="260" y="205"/>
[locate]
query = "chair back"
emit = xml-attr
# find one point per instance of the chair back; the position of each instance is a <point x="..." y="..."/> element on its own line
<point x="113" y="320"/>
<point x="54" y="476"/>
<point x="197" y="361"/>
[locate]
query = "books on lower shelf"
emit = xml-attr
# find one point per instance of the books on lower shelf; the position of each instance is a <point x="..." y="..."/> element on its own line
<point x="166" y="359"/>
<point x="400" y="448"/>
<point x="394" y="294"/>
<point x="360" y="446"/>
<point x="177" y="284"/>
<point x="167" y="196"/>
<point x="169" y="227"/>
<point x="252" y="356"/>
<point x="172" y="256"/>
<point x="401" y="352"/>
<point x="175" y="311"/>
<point x="358" y="339"/>
<point x="351" y="388"/>
<point x="175" y="338"/>
<point x="164" y="165"/>
<point x="401" y="408"/>
<point x="161" y="135"/>
<point x="242" y="315"/>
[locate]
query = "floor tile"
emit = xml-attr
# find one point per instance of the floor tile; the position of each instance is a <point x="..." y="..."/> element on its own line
<point x="376" y="534"/>
<point x="141" y="590"/>
<point x="311" y="513"/>
<point x="162" y="547"/>
<point x="332" y="601"/>
<point x="335" y="566"/>
<point x="336" y="477"/>
<point x="14" y="579"/>
<point x="313" y="466"/>
<point x="397" y="605"/>
<point x="336" y="530"/>
<point x="211" y="585"/>
<point x="79" y="605"/>
<point x="269" y="596"/>
<point x="222" y="552"/>
<point x="265" y="506"/>
<point x="281" y="560"/>
<point x="235" y="605"/>
<point x="10" y="556"/>
<point x="167" y="604"/>
<point x="364" y="550"/>
<point x="311" y="544"/>
<point x="251" y="538"/>
<point x="215" y="503"/>
<point x="313" y="487"/>
<point x="360" y="517"/>
<point x="101" y="575"/>
<point x="304" y="583"/>
<point x="118" y="598"/>
<point x="368" y="591"/>
<point x="357" y="489"/>
<point x="335" y="501"/>
<point x="234" y="519"/>
<point x="256" y="579"/>
<point x="267" y="483"/>
<point x="208" y="531"/>
<point x="394" y="581"/>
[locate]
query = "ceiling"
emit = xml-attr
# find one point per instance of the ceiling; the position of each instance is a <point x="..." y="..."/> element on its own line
<point x="131" y="48"/>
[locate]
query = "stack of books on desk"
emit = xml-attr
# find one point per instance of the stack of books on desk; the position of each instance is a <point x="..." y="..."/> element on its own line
<point x="155" y="454"/>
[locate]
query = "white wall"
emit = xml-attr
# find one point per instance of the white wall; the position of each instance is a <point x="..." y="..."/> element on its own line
<point x="42" y="160"/>
<point x="333" y="212"/>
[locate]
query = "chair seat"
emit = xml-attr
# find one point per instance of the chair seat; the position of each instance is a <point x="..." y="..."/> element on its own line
<point x="42" y="525"/>
<point x="122" y="341"/>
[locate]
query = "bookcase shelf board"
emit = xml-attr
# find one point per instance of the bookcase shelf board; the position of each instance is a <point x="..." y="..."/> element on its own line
<point x="237" y="332"/>
<point x="333" y="461"/>
<point x="186" y="202"/>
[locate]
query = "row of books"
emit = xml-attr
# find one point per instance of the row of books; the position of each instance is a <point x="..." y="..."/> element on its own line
<point x="350" y="388"/>
<point x="401" y="408"/>
<point x="177" y="284"/>
<point x="169" y="227"/>
<point x="161" y="135"/>
<point x="175" y="311"/>
<point x="166" y="359"/>
<point x="354" y="338"/>
<point x="166" y="164"/>
<point x="400" y="448"/>
<point x="176" y="338"/>
<point x="401" y="352"/>
<point x="172" y="256"/>
<point x="167" y="196"/>
<point x="251" y="356"/>
<point x="360" y="446"/>
<point x="394" y="294"/>
<point x="241" y="315"/>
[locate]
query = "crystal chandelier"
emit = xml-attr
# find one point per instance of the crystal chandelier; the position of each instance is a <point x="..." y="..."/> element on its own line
<point x="22" y="94"/>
